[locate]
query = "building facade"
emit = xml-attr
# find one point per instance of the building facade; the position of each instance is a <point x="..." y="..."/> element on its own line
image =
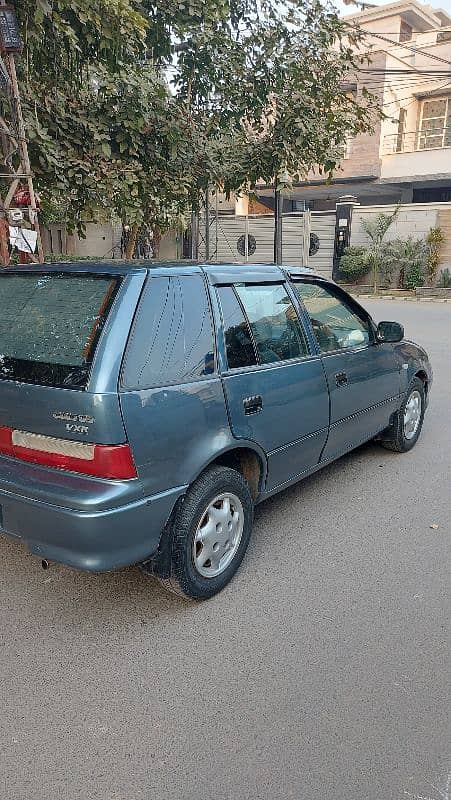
<point x="407" y="158"/>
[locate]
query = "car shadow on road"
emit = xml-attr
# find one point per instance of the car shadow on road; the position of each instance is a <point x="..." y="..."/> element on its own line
<point x="69" y="594"/>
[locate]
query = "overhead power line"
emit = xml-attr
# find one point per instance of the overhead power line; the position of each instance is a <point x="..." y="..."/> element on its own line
<point x="408" y="47"/>
<point x="413" y="71"/>
<point x="396" y="33"/>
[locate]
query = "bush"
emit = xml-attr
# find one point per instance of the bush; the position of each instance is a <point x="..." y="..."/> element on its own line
<point x="409" y="257"/>
<point x="354" y="263"/>
<point x="434" y="240"/>
<point x="445" y="279"/>
<point x="56" y="258"/>
<point x="414" y="277"/>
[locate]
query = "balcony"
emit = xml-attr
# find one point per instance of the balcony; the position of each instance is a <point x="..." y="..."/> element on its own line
<point x="424" y="153"/>
<point x="431" y="139"/>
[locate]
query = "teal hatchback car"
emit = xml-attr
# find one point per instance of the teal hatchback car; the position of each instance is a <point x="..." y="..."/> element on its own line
<point x="145" y="411"/>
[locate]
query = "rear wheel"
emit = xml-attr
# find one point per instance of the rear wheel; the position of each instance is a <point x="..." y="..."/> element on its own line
<point x="409" y="420"/>
<point x="208" y="536"/>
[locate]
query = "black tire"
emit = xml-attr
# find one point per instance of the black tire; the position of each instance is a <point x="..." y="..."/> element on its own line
<point x="395" y="439"/>
<point x="179" y="574"/>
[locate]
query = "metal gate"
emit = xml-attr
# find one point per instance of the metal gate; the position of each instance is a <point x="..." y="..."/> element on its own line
<point x="322" y="241"/>
<point x="307" y="239"/>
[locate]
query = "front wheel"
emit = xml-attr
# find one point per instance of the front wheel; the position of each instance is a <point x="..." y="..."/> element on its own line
<point x="409" y="420"/>
<point x="208" y="536"/>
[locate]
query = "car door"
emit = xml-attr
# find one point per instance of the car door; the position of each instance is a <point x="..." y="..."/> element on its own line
<point x="274" y="385"/>
<point x="363" y="375"/>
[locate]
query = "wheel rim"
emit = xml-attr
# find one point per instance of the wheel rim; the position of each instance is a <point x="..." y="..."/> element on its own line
<point x="218" y="535"/>
<point x="412" y="414"/>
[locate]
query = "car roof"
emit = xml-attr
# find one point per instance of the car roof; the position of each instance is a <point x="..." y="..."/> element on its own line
<point x="217" y="272"/>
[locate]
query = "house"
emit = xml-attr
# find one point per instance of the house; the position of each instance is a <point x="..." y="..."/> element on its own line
<point x="408" y="156"/>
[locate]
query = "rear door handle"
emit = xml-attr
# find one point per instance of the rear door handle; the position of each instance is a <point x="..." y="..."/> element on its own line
<point x="341" y="379"/>
<point x="253" y="405"/>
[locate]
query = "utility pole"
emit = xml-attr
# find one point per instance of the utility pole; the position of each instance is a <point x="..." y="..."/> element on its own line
<point x="278" y="209"/>
<point x="15" y="169"/>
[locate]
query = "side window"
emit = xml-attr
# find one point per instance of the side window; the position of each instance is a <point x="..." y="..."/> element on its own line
<point x="335" y="324"/>
<point x="276" y="328"/>
<point x="238" y="339"/>
<point x="172" y="337"/>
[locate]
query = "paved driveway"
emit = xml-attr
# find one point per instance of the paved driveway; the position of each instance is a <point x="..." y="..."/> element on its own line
<point x="322" y="673"/>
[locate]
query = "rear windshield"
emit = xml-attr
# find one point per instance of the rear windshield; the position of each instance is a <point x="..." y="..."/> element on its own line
<point x="50" y="325"/>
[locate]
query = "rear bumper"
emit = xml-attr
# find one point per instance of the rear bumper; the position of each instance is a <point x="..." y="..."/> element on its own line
<point x="94" y="541"/>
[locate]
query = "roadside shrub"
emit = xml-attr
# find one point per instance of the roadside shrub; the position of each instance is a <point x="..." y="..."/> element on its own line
<point x="354" y="263"/>
<point x="444" y="282"/>
<point x="434" y="240"/>
<point x="409" y="258"/>
<point x="414" y="277"/>
<point x="56" y="258"/>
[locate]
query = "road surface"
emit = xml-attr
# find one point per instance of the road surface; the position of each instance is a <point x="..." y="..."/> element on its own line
<point x="321" y="673"/>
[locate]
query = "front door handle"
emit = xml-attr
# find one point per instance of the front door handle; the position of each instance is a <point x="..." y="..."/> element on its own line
<point x="341" y="379"/>
<point x="253" y="405"/>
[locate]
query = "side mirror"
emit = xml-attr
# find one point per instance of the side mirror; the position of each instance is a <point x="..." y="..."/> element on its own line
<point x="389" y="332"/>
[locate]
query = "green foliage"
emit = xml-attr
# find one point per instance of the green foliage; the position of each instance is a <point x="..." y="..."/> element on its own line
<point x="63" y="38"/>
<point x="414" y="276"/>
<point x="445" y="279"/>
<point x="376" y="229"/>
<point x="354" y="263"/>
<point x="409" y="258"/>
<point x="55" y="258"/>
<point x="434" y="239"/>
<point x="255" y="93"/>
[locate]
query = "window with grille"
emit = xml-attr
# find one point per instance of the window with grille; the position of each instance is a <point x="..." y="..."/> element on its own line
<point x="405" y="32"/>
<point x="435" y="127"/>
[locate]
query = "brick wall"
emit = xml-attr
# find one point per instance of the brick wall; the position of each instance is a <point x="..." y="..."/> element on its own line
<point x="362" y="157"/>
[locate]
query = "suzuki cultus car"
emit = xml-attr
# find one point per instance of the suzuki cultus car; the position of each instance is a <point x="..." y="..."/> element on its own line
<point x="144" y="412"/>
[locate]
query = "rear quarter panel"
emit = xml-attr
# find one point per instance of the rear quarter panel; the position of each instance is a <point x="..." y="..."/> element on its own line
<point x="175" y="431"/>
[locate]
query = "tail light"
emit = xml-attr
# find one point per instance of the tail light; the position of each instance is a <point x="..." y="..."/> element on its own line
<point x="101" y="460"/>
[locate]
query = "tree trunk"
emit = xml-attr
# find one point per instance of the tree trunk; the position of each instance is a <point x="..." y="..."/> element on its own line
<point x="131" y="244"/>
<point x="156" y="241"/>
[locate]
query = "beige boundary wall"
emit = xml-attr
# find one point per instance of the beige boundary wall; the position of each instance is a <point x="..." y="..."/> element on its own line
<point x="102" y="240"/>
<point x="413" y="219"/>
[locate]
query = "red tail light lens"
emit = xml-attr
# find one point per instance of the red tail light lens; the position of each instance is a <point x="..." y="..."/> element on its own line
<point x="101" y="460"/>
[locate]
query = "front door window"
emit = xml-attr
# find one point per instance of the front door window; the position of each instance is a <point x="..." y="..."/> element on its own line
<point x="274" y="323"/>
<point x="336" y="325"/>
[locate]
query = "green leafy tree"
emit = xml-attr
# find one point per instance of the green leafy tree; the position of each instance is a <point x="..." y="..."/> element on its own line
<point x="255" y="92"/>
<point x="376" y="229"/>
<point x="435" y="239"/>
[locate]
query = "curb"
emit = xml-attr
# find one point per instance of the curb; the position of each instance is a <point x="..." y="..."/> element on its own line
<point x="401" y="299"/>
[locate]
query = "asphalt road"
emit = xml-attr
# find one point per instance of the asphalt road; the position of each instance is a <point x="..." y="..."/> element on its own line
<point x="321" y="673"/>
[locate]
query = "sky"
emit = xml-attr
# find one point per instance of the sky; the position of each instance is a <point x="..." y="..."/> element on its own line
<point x="445" y="4"/>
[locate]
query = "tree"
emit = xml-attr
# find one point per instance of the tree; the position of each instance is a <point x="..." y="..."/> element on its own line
<point x="435" y="240"/>
<point x="376" y="229"/>
<point x="270" y="74"/>
<point x="255" y="92"/>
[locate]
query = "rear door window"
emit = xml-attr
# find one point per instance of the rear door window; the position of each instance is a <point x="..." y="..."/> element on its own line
<point x="275" y="325"/>
<point x="50" y="325"/>
<point x="237" y="335"/>
<point x="172" y="336"/>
